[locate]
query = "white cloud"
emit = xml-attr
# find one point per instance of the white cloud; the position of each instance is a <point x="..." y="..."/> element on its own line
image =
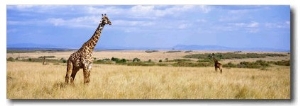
<point x="205" y="9"/>
<point x="110" y="10"/>
<point x="285" y="24"/>
<point x="228" y="18"/>
<point x="253" y="30"/>
<point x="132" y="23"/>
<point x="183" y="26"/>
<point x="253" y="24"/>
<point x="148" y="11"/>
<point x="82" y="22"/>
<point x="56" y="21"/>
<point x="251" y="27"/>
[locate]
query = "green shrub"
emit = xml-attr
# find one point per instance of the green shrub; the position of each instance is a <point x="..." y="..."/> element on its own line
<point x="121" y="61"/>
<point x="282" y="63"/>
<point x="162" y="64"/>
<point x="173" y="51"/>
<point x="140" y="64"/>
<point x="136" y="60"/>
<point x="205" y="60"/>
<point x="230" y="65"/>
<point x="179" y="60"/>
<point x="191" y="64"/>
<point x="10" y="59"/>
<point x="233" y="55"/>
<point x="63" y="60"/>
<point x="115" y="59"/>
<point x="104" y="61"/>
<point x="150" y="51"/>
<point x="256" y="64"/>
<point x="47" y="56"/>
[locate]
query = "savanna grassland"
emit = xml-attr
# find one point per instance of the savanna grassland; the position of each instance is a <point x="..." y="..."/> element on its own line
<point x="33" y="80"/>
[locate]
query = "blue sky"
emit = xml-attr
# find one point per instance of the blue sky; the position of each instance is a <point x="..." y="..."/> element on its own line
<point x="153" y="26"/>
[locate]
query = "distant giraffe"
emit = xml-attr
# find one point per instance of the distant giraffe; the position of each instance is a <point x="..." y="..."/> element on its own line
<point x="83" y="57"/>
<point x="44" y="60"/>
<point x="217" y="64"/>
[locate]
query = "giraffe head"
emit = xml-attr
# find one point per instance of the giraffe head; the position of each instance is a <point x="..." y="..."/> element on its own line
<point x="105" y="20"/>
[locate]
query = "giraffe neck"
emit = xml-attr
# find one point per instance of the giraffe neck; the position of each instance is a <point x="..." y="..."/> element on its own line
<point x="91" y="43"/>
<point x="215" y="60"/>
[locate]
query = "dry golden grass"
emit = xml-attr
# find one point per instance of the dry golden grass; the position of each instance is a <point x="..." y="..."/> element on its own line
<point x="27" y="80"/>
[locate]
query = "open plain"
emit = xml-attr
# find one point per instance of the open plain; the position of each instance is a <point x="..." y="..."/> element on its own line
<point x="33" y="80"/>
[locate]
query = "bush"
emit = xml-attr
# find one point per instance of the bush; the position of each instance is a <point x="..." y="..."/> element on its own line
<point x="63" y="60"/>
<point x="47" y="56"/>
<point x="230" y="65"/>
<point x="191" y="64"/>
<point x="10" y="59"/>
<point x="188" y="51"/>
<point x="256" y="64"/>
<point x="160" y="61"/>
<point x="282" y="63"/>
<point x="104" y="61"/>
<point x="205" y="60"/>
<point x="173" y="51"/>
<point x="233" y="55"/>
<point x="136" y="60"/>
<point x="150" y="51"/>
<point x="140" y="64"/>
<point x="121" y="61"/>
<point x="114" y="59"/>
<point x="179" y="60"/>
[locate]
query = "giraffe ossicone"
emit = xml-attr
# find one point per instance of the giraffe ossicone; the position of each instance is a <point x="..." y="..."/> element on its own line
<point x="82" y="58"/>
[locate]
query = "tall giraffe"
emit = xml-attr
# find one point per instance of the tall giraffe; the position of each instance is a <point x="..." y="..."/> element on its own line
<point x="217" y="64"/>
<point x="82" y="58"/>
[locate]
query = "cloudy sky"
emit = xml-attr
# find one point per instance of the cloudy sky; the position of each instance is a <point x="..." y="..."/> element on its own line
<point x="153" y="26"/>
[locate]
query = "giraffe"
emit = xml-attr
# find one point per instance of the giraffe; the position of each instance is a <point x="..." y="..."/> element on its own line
<point x="217" y="64"/>
<point x="44" y="60"/>
<point x="82" y="58"/>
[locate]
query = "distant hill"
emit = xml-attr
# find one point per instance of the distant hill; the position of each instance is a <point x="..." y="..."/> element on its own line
<point x="30" y="45"/>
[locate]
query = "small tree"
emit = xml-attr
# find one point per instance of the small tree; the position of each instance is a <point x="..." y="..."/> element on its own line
<point x="160" y="61"/>
<point x="10" y="59"/>
<point x="136" y="60"/>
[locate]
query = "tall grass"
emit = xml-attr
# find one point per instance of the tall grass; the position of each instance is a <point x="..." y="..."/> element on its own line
<point x="28" y="80"/>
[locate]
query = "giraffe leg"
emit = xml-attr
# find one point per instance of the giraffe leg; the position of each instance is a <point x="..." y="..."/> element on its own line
<point x="86" y="73"/>
<point x="220" y="69"/>
<point x="69" y="71"/>
<point x="74" y="71"/>
<point x="216" y="68"/>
